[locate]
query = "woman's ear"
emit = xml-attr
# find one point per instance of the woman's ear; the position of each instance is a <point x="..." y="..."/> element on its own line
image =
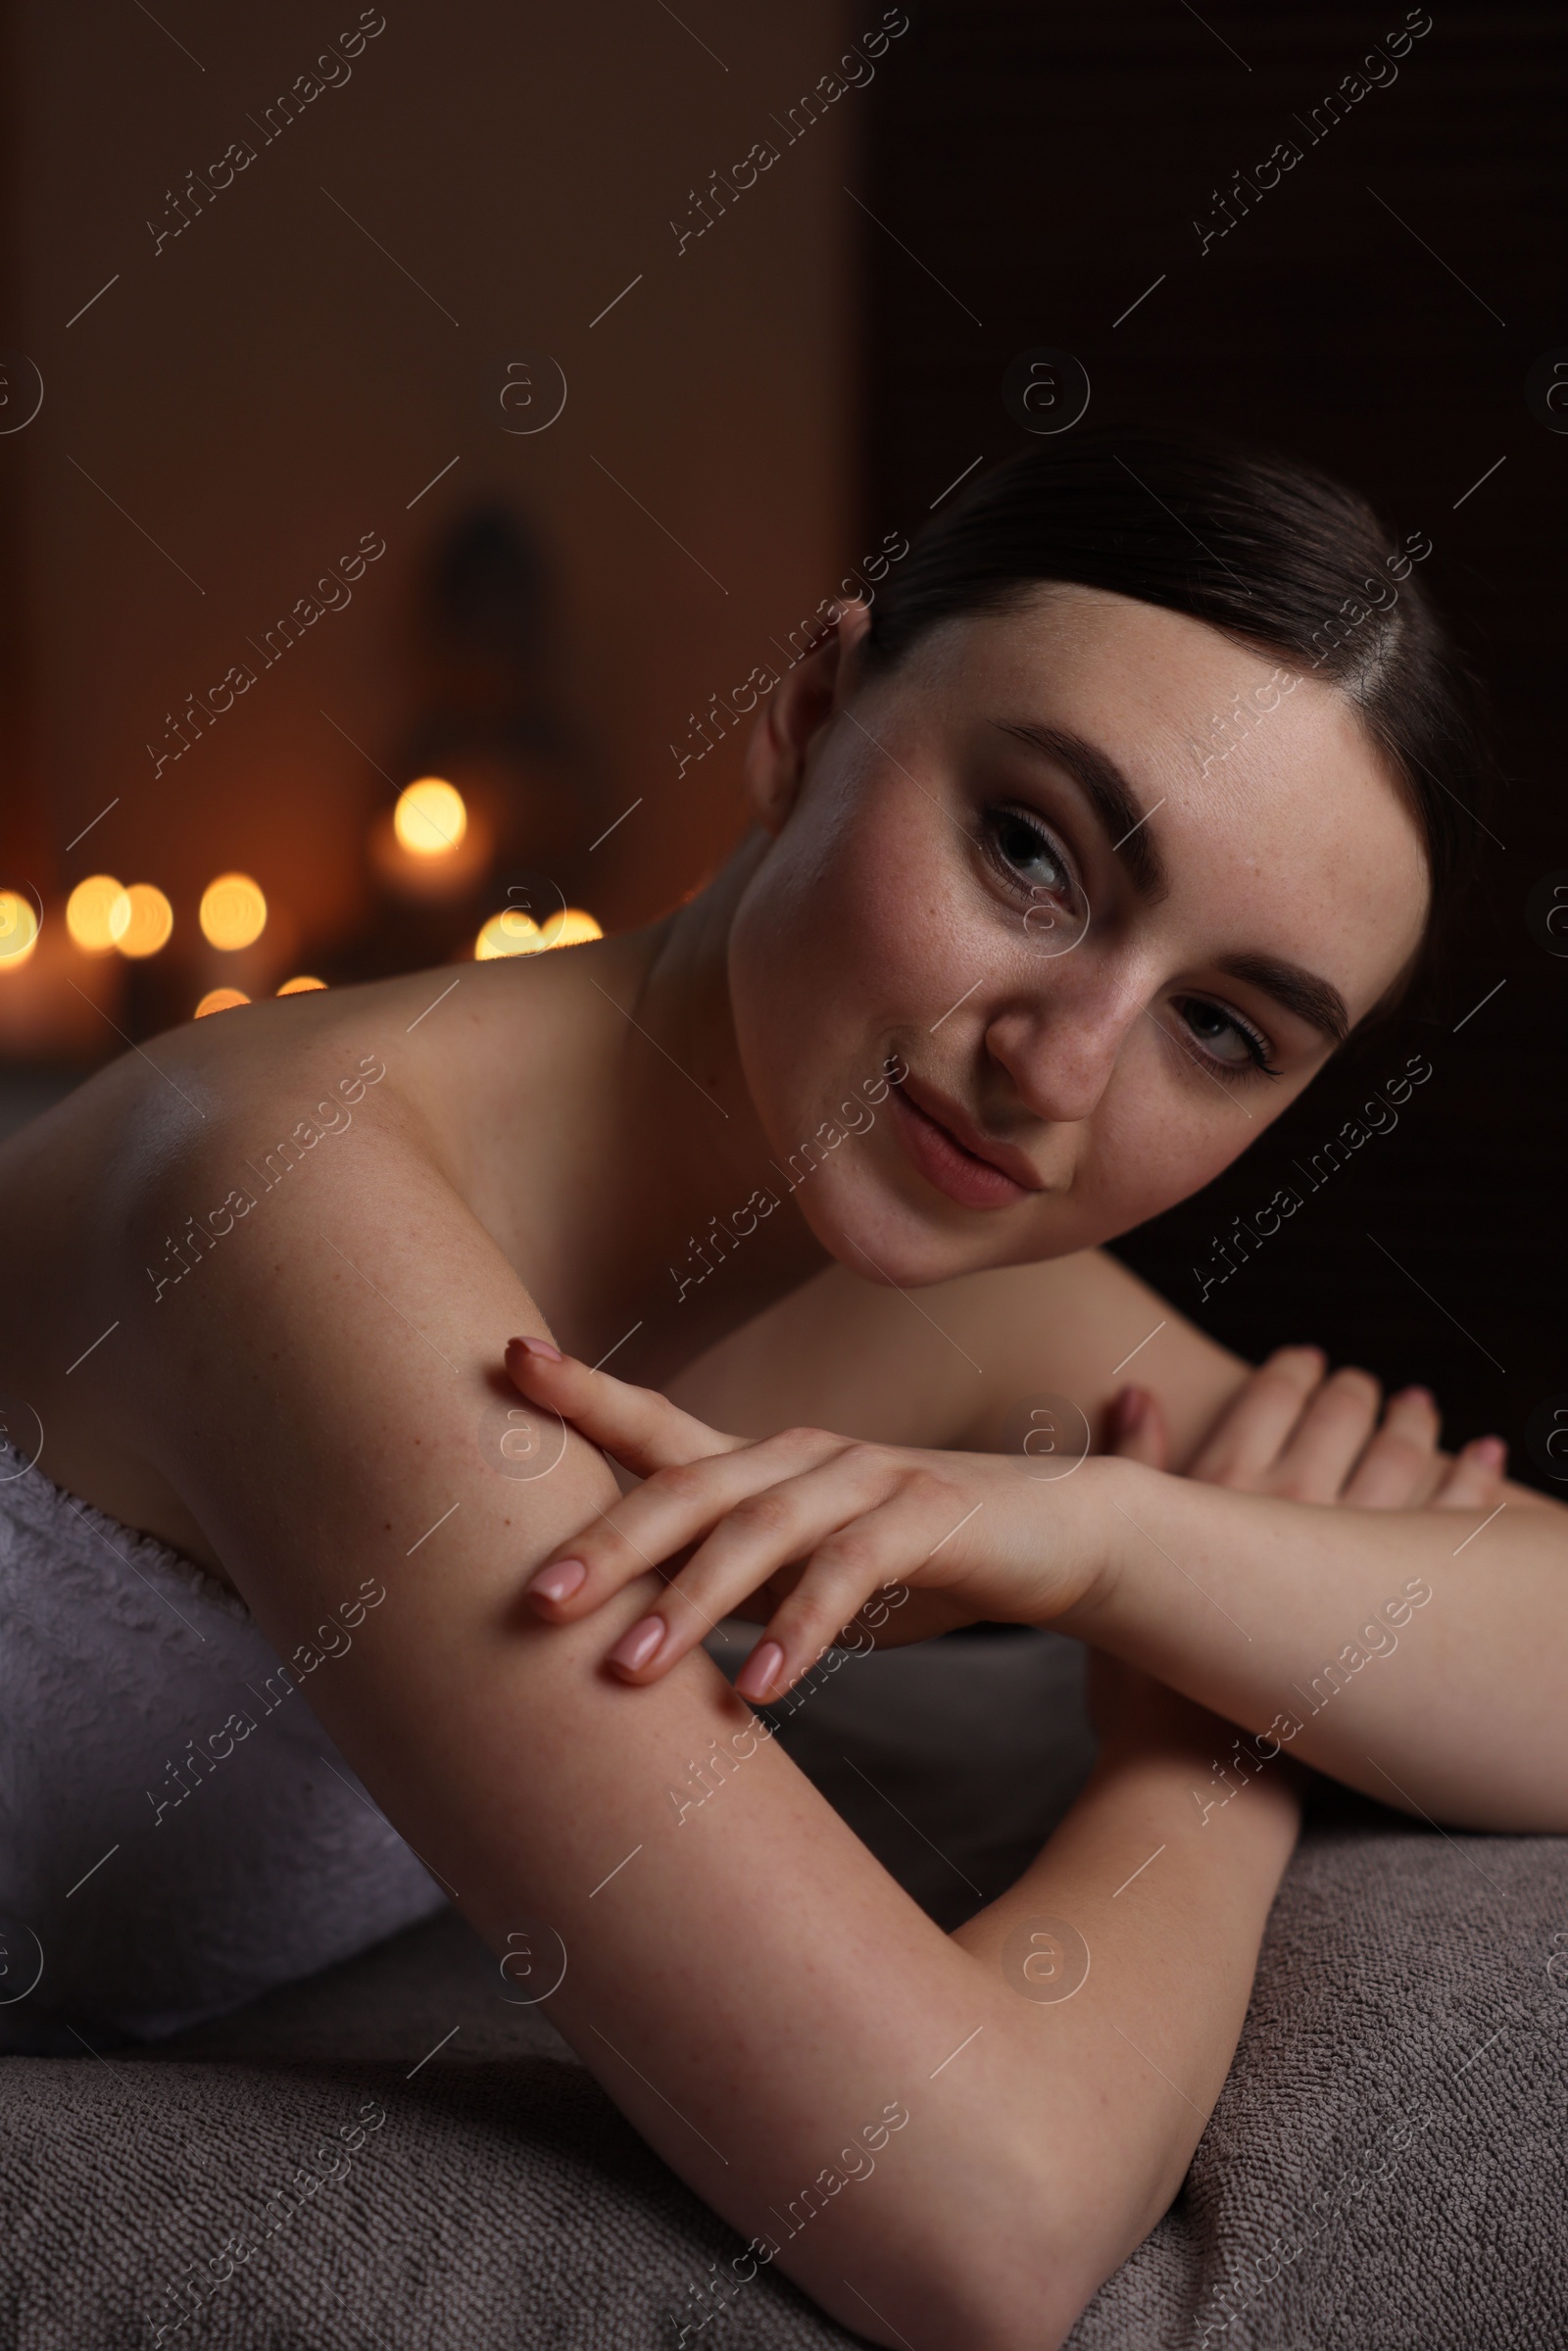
<point x="801" y="704"/>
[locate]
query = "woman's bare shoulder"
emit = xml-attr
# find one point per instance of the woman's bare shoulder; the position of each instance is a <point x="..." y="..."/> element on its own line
<point x="949" y="1366"/>
<point x="273" y="1077"/>
<point x="118" y="1199"/>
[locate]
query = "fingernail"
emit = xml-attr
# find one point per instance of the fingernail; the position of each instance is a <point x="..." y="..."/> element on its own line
<point x="1131" y="1406"/>
<point x="1493" y="1450"/>
<point x="761" y="1670"/>
<point x="634" y="1648"/>
<point x="1420" y="1395"/>
<point x="538" y="1346"/>
<point x="557" y="1581"/>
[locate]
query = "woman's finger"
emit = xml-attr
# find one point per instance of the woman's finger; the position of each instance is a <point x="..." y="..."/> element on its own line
<point x="1399" y="1468"/>
<point x="637" y="1426"/>
<point x="1475" y="1480"/>
<point x="1328" y="1439"/>
<point x="889" y="1544"/>
<point x="785" y="1521"/>
<point x="1138" y="1430"/>
<point x="670" y="1511"/>
<point x="1249" y="1435"/>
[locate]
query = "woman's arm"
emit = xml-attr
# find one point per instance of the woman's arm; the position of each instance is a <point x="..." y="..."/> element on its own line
<point x="1413" y="1653"/>
<point x="1170" y="1960"/>
<point x="867" y="1361"/>
<point x="757" y="1994"/>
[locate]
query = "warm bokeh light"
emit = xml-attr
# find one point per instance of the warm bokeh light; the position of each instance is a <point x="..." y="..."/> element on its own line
<point x="575" y="929"/>
<point x="515" y="933"/>
<point x="97" y="912"/>
<point x="431" y="819"/>
<point x="507" y="934"/>
<point x="233" y="911"/>
<point x="18" y="929"/>
<point x="141" y="925"/>
<point x="298" y="987"/>
<point x="220" y="999"/>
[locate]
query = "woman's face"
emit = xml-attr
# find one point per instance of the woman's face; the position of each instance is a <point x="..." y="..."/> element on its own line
<point x="1108" y="950"/>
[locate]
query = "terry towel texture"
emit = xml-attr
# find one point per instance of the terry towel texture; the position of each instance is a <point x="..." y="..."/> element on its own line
<point x="176" y="1831"/>
<point x="1385" y="2170"/>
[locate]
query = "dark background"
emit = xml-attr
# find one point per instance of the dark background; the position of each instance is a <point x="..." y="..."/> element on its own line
<point x="1046" y="165"/>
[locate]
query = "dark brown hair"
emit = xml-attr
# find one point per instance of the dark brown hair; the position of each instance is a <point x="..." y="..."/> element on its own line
<point x="1272" y="552"/>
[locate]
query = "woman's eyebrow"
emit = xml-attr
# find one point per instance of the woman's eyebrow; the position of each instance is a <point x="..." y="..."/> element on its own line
<point x="1315" y="1001"/>
<point x="1116" y="804"/>
<point x="1108" y="793"/>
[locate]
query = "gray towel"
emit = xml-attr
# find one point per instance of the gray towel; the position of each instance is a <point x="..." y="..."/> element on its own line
<point x="1385" y="2170"/>
<point x="177" y="1832"/>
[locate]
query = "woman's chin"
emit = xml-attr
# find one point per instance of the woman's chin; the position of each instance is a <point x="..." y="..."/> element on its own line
<point x="882" y="1237"/>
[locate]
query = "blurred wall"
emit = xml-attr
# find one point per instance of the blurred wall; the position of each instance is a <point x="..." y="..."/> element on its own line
<point x="250" y="372"/>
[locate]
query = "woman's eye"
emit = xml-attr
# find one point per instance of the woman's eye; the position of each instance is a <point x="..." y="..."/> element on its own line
<point x="1224" y="1038"/>
<point x="1029" y="851"/>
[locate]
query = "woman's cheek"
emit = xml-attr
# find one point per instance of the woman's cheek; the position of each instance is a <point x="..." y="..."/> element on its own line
<point x="1151" y="1151"/>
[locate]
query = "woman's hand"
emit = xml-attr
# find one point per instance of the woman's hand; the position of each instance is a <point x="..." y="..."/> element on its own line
<point x="1297" y="1432"/>
<point x="829" y="1529"/>
<point x="1303" y="1435"/>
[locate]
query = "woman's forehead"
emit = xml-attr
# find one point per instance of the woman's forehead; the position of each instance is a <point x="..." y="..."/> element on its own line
<point x="1063" y="637"/>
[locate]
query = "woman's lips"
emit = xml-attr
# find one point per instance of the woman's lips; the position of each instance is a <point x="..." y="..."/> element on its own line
<point x="946" y="1163"/>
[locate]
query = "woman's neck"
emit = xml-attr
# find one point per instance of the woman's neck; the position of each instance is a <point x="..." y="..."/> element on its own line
<point x="636" y="1219"/>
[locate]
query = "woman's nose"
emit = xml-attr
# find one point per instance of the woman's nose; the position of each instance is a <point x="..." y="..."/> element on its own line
<point x="1061" y="1054"/>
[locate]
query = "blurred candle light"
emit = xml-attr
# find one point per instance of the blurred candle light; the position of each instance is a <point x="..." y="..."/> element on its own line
<point x="509" y="933"/>
<point x="515" y="933"/>
<point x="55" y="997"/>
<point x="431" y="845"/>
<point x="233" y="911"/>
<point x="575" y="929"/>
<point x="298" y="987"/>
<point x="430" y="819"/>
<point x="220" y="999"/>
<point x="19" y="930"/>
<point x="97" y="914"/>
<point x="140" y="920"/>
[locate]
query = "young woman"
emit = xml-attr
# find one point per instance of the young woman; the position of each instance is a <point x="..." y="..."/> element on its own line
<point x="1024" y="945"/>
